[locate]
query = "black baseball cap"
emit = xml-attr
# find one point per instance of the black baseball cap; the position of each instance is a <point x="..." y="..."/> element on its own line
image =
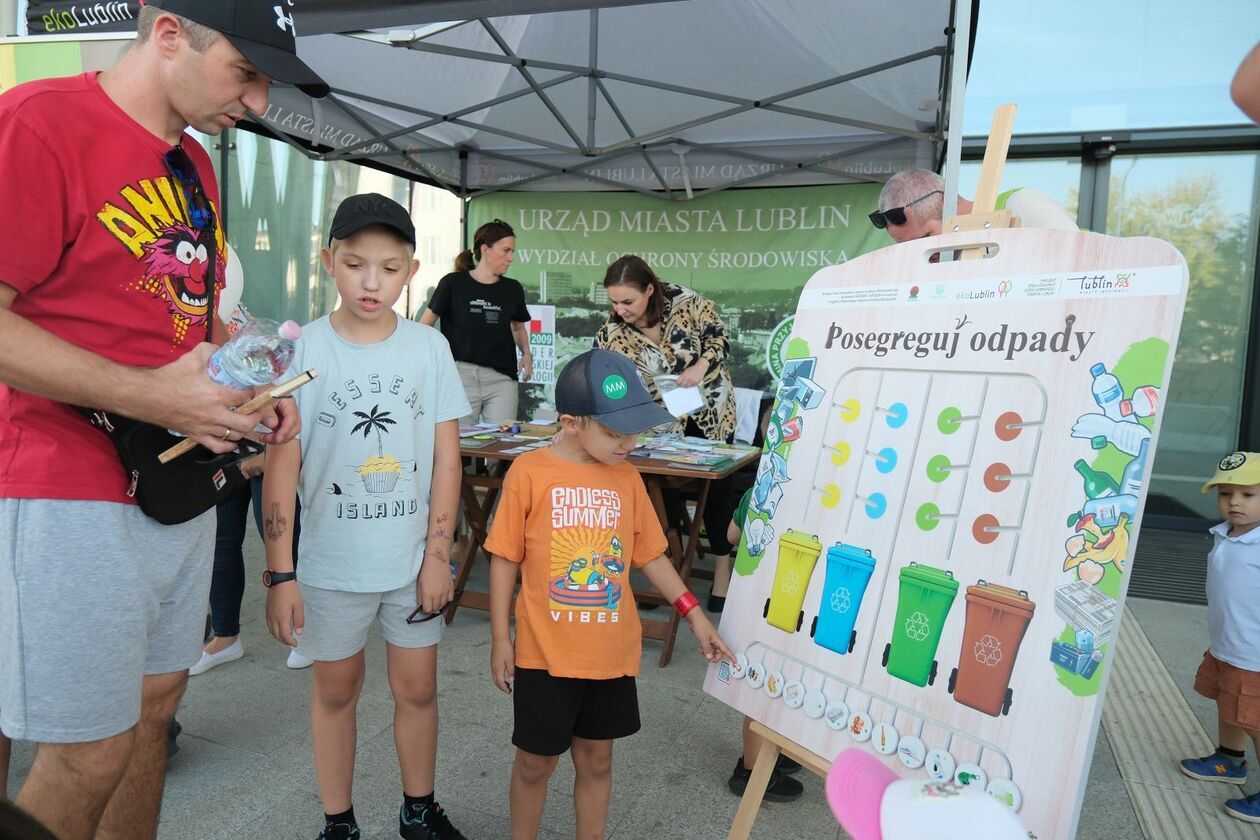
<point x="606" y="386"/>
<point x="366" y="210"/>
<point x="263" y="32"/>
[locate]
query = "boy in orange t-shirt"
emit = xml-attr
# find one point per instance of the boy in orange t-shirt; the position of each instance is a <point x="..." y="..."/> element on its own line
<point x="573" y="518"/>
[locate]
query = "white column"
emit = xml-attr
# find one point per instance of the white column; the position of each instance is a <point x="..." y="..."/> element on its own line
<point x="8" y="17"/>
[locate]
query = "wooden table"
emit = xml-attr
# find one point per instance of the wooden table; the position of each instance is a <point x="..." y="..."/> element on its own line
<point x="655" y="472"/>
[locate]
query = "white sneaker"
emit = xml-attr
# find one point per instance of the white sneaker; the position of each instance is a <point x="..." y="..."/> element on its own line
<point x="231" y="653"/>
<point x="297" y="660"/>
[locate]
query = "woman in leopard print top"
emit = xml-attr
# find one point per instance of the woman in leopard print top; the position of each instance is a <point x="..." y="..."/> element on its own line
<point x="670" y="330"/>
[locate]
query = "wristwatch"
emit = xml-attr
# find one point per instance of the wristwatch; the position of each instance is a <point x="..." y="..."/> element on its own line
<point x="271" y="578"/>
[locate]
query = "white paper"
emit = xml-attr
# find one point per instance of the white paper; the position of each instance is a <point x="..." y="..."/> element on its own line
<point x="683" y="401"/>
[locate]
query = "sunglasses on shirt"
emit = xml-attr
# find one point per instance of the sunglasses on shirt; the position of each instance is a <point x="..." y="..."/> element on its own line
<point x="897" y="215"/>
<point x="179" y="164"/>
<point x="419" y="616"/>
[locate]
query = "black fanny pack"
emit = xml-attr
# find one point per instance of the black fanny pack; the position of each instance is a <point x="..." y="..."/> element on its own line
<point x="181" y="489"/>
<point x="185" y="487"/>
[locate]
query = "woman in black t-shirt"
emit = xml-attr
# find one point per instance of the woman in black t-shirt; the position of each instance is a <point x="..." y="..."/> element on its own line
<point x="483" y="317"/>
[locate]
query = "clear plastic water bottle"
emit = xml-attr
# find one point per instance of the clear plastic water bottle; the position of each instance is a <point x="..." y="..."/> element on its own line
<point x="1107" y="391"/>
<point x="256" y="355"/>
<point x="1135" y="471"/>
<point x="1106" y="510"/>
<point x="1143" y="403"/>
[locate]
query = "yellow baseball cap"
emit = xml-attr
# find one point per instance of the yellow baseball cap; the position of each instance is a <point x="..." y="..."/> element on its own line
<point x="1236" y="468"/>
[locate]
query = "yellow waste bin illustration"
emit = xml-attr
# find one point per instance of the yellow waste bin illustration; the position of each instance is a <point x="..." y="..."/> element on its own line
<point x="798" y="554"/>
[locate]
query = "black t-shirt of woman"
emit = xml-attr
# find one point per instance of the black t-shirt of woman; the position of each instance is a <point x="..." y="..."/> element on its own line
<point x="476" y="319"/>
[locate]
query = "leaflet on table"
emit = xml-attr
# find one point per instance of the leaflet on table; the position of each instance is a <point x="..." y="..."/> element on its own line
<point x="470" y="429"/>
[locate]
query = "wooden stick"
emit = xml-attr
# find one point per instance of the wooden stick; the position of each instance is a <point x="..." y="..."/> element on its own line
<point x="999" y="143"/>
<point x="263" y="400"/>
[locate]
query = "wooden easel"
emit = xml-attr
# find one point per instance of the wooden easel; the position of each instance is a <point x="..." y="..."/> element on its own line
<point x="772" y="743"/>
<point x="983" y="216"/>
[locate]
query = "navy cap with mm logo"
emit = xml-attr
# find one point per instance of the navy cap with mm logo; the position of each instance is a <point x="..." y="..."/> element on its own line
<point x="606" y="386"/>
<point x="264" y="33"/>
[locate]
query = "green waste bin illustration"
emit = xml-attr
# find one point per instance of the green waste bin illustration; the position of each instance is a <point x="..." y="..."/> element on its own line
<point x="798" y="554"/>
<point x="996" y="619"/>
<point x="924" y="597"/>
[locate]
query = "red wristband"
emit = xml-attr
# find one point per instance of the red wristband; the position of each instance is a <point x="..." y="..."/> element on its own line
<point x="685" y="603"/>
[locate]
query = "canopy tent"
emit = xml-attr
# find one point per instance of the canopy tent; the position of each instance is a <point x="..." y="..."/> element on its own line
<point x="674" y="99"/>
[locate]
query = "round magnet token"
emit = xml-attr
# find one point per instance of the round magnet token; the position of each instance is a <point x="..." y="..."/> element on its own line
<point x="860" y="726"/>
<point x="971" y="775"/>
<point x="939" y="765"/>
<point x="837" y="714"/>
<point x="815" y="703"/>
<point x="911" y="751"/>
<point x="1006" y="792"/>
<point x="740" y="669"/>
<point x="756" y="674"/>
<point x="794" y="694"/>
<point x="884" y="738"/>
<point x="774" y="683"/>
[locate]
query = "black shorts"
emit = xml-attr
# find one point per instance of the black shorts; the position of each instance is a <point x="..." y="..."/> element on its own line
<point x="551" y="711"/>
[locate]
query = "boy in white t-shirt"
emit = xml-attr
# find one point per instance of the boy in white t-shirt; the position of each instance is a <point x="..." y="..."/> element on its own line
<point x="1230" y="673"/>
<point x="377" y="471"/>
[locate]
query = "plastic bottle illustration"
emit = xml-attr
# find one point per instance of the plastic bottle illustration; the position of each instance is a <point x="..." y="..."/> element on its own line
<point x="259" y="352"/>
<point x="1144" y="403"/>
<point x="1107" y="509"/>
<point x="1107" y="391"/>
<point x="1127" y="437"/>
<point x="1135" y="472"/>
<point x="1097" y="484"/>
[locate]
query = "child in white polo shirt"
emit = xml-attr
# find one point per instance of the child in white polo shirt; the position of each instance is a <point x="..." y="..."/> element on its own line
<point x="1230" y="673"/>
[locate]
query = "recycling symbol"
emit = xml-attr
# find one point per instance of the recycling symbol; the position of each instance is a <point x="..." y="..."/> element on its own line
<point x="988" y="651"/>
<point x="917" y="626"/>
<point x="791" y="583"/>
<point x="840" y="600"/>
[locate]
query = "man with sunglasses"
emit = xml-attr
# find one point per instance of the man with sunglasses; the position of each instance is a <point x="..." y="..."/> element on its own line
<point x="912" y="201"/>
<point x="111" y="251"/>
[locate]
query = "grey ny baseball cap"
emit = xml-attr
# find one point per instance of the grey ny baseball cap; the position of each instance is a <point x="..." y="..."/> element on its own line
<point x="263" y="32"/>
<point x="606" y="386"/>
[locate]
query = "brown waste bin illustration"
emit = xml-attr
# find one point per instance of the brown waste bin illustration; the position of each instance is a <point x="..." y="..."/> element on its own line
<point x="997" y="617"/>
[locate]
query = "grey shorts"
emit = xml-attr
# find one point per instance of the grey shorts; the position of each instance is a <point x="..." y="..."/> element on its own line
<point x="94" y="596"/>
<point x="336" y="623"/>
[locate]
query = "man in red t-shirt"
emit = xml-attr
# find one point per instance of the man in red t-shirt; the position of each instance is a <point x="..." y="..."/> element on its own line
<point x="111" y="248"/>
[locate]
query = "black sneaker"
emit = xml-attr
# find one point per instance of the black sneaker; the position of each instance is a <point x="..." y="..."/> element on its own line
<point x="787" y="766"/>
<point x="339" y="831"/>
<point x="782" y="788"/>
<point x="426" y="822"/>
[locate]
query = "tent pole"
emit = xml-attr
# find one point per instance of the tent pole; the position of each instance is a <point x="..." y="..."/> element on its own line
<point x="591" y="81"/>
<point x="957" y="93"/>
<point x="463" y="197"/>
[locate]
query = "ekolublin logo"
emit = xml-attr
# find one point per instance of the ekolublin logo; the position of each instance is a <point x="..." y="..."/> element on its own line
<point x="85" y="17"/>
<point x="615" y="387"/>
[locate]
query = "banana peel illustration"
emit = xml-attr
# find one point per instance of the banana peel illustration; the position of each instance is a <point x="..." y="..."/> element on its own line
<point x="1092" y="544"/>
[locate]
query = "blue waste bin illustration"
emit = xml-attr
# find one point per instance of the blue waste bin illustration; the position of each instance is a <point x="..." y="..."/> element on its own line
<point x="849" y="570"/>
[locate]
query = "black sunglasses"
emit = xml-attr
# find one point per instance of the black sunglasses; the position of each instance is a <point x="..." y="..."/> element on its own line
<point x="200" y="213"/>
<point x="897" y="215"/>
<point x="419" y="616"/>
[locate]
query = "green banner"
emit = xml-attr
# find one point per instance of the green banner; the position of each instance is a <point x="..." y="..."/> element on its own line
<point x="750" y="251"/>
